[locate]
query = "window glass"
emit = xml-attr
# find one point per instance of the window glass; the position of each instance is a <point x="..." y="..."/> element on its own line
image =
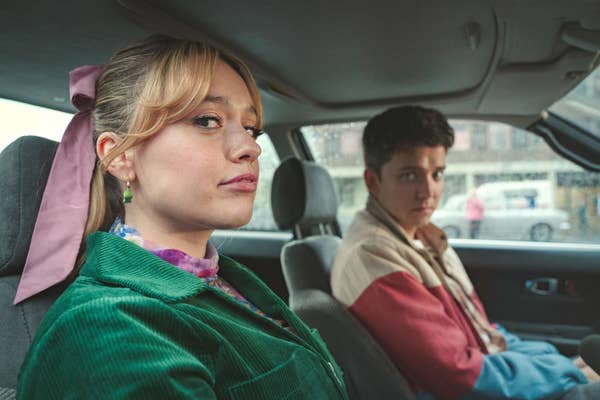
<point x="20" y="119"/>
<point x="581" y="105"/>
<point x="338" y="147"/>
<point x="529" y="192"/>
<point x="262" y="216"/>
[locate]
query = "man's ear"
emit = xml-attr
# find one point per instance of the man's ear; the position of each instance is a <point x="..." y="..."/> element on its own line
<point x="371" y="180"/>
<point x="121" y="166"/>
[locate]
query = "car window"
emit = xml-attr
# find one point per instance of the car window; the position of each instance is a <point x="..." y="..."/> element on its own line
<point x="528" y="192"/>
<point x="20" y="119"/>
<point x="456" y="202"/>
<point x="581" y="105"/>
<point x="262" y="216"/>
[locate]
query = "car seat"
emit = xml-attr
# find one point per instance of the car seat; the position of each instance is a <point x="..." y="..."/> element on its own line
<point x="24" y="165"/>
<point x="303" y="199"/>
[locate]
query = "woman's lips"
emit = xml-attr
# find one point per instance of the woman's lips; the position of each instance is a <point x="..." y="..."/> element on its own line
<point x="241" y="183"/>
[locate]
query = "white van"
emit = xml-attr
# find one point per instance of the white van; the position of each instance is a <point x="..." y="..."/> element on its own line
<point x="517" y="194"/>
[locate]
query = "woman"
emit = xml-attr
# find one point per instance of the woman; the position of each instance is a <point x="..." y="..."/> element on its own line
<point x="475" y="213"/>
<point x="155" y="312"/>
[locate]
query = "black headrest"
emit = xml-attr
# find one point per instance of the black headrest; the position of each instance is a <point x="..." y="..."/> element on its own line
<point x="302" y="193"/>
<point x="24" y="165"/>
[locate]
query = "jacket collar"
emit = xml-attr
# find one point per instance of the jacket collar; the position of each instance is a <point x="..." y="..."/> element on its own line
<point x="431" y="234"/>
<point x="115" y="261"/>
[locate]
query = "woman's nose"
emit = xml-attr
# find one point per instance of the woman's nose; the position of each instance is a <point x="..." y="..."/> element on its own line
<point x="243" y="146"/>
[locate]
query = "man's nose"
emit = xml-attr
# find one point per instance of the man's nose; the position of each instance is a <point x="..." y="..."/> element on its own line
<point x="426" y="188"/>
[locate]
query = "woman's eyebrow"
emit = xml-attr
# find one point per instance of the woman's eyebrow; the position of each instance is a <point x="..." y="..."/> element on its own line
<point x="225" y="102"/>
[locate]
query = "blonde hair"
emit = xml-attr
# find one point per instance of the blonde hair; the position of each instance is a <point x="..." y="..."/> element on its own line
<point x="143" y="88"/>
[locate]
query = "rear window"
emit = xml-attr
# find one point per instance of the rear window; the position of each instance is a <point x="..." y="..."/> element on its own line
<point x="21" y="119"/>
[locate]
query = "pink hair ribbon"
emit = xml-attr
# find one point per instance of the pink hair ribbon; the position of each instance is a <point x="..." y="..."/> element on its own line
<point x="63" y="211"/>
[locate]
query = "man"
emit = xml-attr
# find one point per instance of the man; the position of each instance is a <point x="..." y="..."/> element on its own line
<point x="397" y="275"/>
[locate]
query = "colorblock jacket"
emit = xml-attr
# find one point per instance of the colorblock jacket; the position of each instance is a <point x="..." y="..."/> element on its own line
<point x="132" y="326"/>
<point x="419" y="304"/>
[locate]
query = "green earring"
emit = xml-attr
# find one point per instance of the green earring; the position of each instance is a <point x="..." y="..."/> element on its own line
<point x="127" y="194"/>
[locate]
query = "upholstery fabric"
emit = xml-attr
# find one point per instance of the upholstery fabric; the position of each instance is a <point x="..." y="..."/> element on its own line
<point x="7" y="394"/>
<point x="302" y="193"/>
<point x="368" y="371"/>
<point x="25" y="165"/>
<point x="315" y="255"/>
<point x="19" y="324"/>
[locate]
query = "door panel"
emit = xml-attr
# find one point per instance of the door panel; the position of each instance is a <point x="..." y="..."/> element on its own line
<point x="537" y="291"/>
<point x="501" y="271"/>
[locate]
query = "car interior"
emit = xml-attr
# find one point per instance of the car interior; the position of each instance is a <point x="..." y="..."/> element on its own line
<point x="323" y="68"/>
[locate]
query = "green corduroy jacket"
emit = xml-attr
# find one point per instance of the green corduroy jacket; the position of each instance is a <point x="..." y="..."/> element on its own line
<point x="133" y="326"/>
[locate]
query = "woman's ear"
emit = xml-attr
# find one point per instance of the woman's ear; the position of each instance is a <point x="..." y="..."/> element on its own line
<point x="121" y="166"/>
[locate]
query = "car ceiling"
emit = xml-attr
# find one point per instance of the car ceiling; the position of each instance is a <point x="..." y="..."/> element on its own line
<point x="324" y="61"/>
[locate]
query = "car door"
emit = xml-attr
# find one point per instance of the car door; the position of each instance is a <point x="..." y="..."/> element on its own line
<point x="549" y="291"/>
<point x="537" y="290"/>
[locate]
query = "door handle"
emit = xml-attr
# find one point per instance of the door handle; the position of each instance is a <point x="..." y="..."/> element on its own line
<point x="542" y="286"/>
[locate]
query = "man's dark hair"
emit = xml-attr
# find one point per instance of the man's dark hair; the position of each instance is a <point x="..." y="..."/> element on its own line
<point x="401" y="129"/>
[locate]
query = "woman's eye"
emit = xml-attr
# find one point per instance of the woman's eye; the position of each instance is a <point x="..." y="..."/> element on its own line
<point x="209" y="122"/>
<point x="254" y="131"/>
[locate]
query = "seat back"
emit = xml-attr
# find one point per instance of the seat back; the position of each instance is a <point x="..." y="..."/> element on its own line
<point x="315" y="254"/>
<point x="25" y="165"/>
<point x="304" y="200"/>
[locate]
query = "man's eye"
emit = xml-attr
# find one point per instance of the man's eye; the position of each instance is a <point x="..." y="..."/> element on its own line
<point x="438" y="175"/>
<point x="408" y="176"/>
<point x="253" y="131"/>
<point x="207" y="122"/>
